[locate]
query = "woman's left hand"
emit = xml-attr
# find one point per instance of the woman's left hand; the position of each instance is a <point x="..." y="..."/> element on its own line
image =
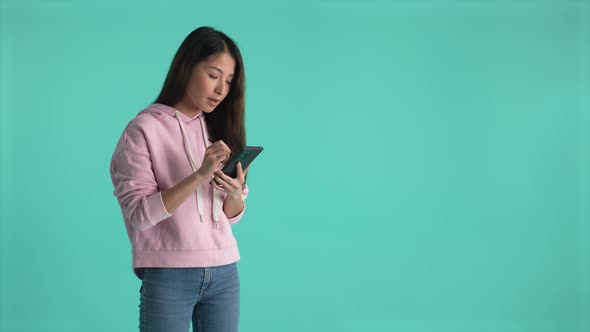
<point x="233" y="187"/>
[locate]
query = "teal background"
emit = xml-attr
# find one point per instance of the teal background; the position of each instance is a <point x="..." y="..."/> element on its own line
<point x="426" y="163"/>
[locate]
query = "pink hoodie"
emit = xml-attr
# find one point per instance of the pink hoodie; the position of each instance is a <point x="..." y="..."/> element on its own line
<point x="158" y="148"/>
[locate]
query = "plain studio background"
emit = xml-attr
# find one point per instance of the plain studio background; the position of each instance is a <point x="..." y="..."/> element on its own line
<point x="426" y="163"/>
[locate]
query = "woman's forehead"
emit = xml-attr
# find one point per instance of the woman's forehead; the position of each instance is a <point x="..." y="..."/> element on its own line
<point x="224" y="63"/>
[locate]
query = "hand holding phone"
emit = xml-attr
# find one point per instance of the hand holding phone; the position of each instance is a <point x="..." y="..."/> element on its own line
<point x="245" y="157"/>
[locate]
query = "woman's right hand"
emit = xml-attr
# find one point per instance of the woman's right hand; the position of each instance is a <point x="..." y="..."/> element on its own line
<point x="215" y="154"/>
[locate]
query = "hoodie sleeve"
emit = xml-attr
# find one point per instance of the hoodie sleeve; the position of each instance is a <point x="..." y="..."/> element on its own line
<point x="134" y="181"/>
<point x="239" y="216"/>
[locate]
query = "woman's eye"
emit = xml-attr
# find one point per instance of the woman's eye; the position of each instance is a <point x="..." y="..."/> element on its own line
<point x="215" y="77"/>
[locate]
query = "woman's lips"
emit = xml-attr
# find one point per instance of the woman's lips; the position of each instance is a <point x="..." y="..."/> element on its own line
<point x="213" y="101"/>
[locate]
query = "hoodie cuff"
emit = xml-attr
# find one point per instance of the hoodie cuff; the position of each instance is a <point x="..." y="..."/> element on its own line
<point x="155" y="208"/>
<point x="237" y="217"/>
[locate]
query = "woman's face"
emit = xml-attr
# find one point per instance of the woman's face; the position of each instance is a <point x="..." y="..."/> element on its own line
<point x="210" y="82"/>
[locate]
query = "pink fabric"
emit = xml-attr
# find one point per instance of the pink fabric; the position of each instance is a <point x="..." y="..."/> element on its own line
<point x="150" y="158"/>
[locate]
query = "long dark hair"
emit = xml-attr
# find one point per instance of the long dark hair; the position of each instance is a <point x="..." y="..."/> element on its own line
<point x="226" y="122"/>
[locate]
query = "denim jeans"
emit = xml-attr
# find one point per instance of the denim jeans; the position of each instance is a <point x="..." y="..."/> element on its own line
<point x="173" y="297"/>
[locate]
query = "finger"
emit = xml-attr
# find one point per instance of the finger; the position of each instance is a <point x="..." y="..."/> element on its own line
<point x="216" y="186"/>
<point x="228" y="179"/>
<point x="242" y="174"/>
<point x="215" y="149"/>
<point x="220" y="156"/>
<point x="240" y="171"/>
<point x="223" y="183"/>
<point x="220" y="144"/>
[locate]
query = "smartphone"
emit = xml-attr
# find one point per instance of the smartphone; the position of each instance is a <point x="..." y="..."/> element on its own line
<point x="245" y="156"/>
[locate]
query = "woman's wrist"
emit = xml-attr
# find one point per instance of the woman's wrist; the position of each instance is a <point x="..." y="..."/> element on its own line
<point x="233" y="205"/>
<point x="234" y="197"/>
<point x="197" y="178"/>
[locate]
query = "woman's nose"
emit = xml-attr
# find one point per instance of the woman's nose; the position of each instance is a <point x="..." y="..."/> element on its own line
<point x="220" y="89"/>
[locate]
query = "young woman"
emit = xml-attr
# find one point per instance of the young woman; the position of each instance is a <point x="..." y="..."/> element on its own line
<point x="177" y="204"/>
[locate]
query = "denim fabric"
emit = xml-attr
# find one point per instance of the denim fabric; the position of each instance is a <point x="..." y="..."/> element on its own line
<point x="170" y="298"/>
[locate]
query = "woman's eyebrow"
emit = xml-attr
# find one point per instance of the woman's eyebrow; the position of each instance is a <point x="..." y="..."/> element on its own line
<point x="221" y="71"/>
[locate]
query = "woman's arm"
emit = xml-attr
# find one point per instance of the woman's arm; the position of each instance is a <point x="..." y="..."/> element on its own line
<point x="175" y="196"/>
<point x="232" y="206"/>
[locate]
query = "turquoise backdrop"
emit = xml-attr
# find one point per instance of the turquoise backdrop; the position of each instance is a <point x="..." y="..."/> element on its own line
<point x="426" y="164"/>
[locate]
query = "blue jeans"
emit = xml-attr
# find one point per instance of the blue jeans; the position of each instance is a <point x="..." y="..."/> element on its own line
<point x="173" y="297"/>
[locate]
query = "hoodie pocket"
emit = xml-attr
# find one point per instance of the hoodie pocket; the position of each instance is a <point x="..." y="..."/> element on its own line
<point x="150" y="239"/>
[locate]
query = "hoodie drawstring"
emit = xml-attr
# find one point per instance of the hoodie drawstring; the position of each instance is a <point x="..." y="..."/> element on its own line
<point x="217" y="195"/>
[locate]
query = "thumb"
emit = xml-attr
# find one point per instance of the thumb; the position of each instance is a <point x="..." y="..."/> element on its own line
<point x="239" y="170"/>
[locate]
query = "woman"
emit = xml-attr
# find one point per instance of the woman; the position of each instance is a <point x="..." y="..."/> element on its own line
<point x="177" y="204"/>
